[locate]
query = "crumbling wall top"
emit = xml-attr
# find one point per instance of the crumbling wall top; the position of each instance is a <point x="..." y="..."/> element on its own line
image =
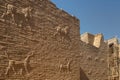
<point x="113" y="40"/>
<point x="95" y="40"/>
<point x="98" y="40"/>
<point x="87" y="38"/>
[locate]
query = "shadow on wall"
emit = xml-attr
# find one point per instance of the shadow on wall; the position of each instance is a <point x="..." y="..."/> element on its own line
<point x="83" y="76"/>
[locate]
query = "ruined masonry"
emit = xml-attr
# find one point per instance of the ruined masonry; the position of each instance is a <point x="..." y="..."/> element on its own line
<point x="38" y="41"/>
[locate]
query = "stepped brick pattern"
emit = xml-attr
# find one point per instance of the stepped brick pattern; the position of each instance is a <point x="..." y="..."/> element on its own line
<point x="46" y="44"/>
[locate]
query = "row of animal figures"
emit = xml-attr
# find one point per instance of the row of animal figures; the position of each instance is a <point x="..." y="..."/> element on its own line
<point x="18" y="16"/>
<point x="23" y="16"/>
<point x="23" y="65"/>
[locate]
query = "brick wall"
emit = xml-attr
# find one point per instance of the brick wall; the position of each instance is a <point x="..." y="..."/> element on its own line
<point x="87" y="61"/>
<point x="49" y="52"/>
<point x="93" y="61"/>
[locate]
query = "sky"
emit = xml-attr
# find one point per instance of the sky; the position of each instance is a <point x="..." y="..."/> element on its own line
<point x="96" y="16"/>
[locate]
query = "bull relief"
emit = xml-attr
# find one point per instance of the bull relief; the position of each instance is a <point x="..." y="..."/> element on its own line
<point x="15" y="66"/>
<point x="19" y="16"/>
<point x="65" y="67"/>
<point x="26" y="27"/>
<point x="63" y="32"/>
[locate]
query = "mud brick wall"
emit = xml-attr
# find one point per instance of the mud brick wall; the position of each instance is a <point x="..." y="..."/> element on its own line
<point x="98" y="40"/>
<point x="49" y="52"/>
<point x="93" y="61"/>
<point x="86" y="61"/>
<point x="87" y="38"/>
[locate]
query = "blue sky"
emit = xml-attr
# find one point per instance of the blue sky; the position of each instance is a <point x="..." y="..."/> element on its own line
<point x="96" y="16"/>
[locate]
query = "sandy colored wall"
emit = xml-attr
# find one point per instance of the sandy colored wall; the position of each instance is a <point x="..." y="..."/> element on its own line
<point x="49" y="51"/>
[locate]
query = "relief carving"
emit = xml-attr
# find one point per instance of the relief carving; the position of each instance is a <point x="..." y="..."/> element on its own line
<point x="65" y="67"/>
<point x="63" y="32"/>
<point x="20" y="17"/>
<point x="9" y="13"/>
<point x="14" y="64"/>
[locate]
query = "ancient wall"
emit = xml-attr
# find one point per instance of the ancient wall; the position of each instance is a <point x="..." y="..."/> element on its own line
<point x="119" y="63"/>
<point x="87" y="38"/>
<point x="119" y="50"/>
<point x="54" y="58"/>
<point x="113" y="58"/>
<point x="93" y="61"/>
<point x="83" y="76"/>
<point x="98" y="40"/>
<point x="113" y="40"/>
